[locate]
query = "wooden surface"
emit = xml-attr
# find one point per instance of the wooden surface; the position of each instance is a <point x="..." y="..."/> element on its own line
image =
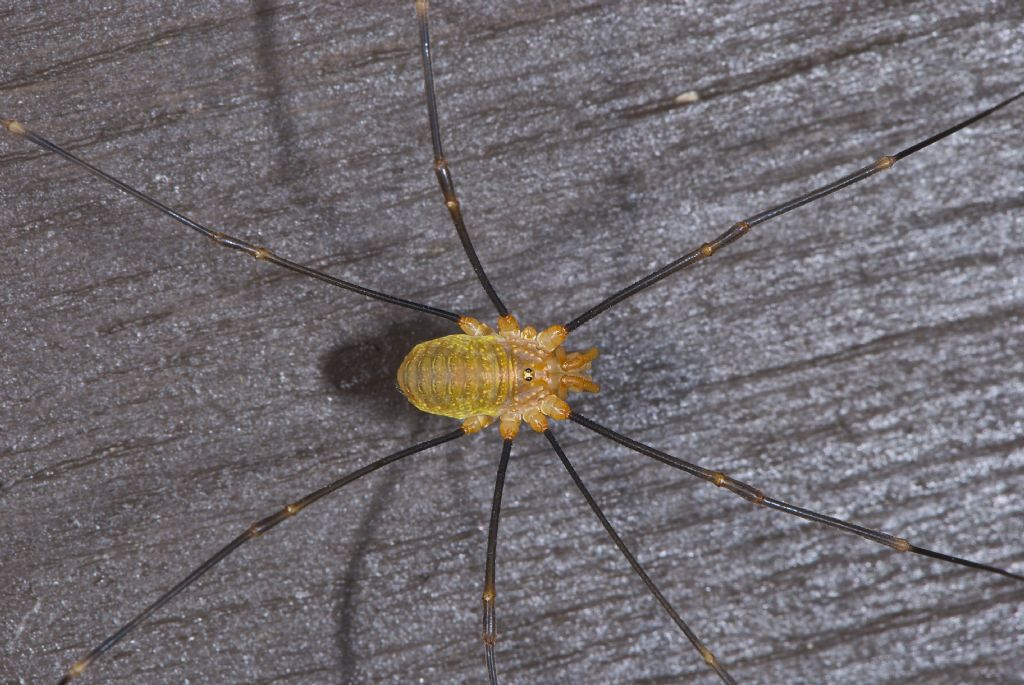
<point x="863" y="356"/>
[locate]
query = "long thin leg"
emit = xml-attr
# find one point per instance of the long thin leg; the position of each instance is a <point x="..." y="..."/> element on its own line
<point x="253" y="531"/>
<point x="704" y="652"/>
<point x="741" y="228"/>
<point x="755" y="496"/>
<point x="441" y="169"/>
<point x="490" y="594"/>
<point x="220" y="238"/>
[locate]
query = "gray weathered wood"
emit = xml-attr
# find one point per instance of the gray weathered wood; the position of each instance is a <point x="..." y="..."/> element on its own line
<point x="862" y="356"/>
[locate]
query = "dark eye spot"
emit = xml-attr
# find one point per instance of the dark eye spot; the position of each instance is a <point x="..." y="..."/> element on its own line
<point x="527" y="374"/>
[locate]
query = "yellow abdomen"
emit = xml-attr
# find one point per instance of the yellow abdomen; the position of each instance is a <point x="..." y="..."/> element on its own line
<point x="457" y="376"/>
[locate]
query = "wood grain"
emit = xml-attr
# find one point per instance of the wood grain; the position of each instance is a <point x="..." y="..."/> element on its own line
<point x="862" y="356"/>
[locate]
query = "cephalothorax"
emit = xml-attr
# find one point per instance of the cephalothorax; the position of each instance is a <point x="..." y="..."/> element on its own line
<point x="514" y="375"/>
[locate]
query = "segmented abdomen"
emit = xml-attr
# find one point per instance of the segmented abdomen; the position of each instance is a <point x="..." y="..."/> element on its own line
<point x="457" y="376"/>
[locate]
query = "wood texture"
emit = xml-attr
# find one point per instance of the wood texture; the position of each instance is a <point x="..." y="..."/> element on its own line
<point x="863" y="356"/>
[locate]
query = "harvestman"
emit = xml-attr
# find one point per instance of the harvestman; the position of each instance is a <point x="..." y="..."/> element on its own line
<point x="531" y="388"/>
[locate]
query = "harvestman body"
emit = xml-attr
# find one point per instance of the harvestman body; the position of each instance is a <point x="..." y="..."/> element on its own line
<point x="514" y="375"/>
